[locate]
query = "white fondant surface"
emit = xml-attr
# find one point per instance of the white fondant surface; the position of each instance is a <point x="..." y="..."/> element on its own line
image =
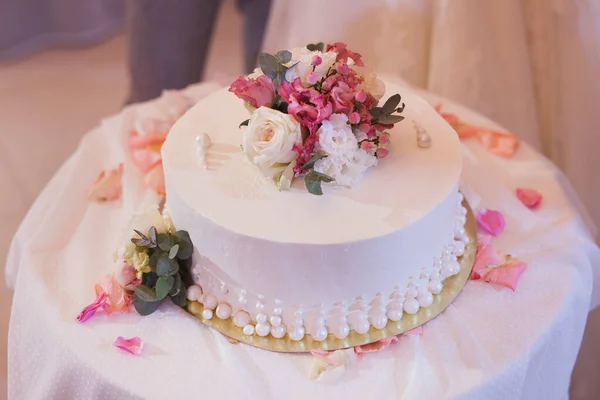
<point x="306" y="249"/>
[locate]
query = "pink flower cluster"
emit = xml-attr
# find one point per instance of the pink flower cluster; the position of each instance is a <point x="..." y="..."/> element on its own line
<point x="313" y="98"/>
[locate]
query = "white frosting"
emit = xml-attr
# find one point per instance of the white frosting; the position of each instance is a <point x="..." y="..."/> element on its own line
<point x="325" y="264"/>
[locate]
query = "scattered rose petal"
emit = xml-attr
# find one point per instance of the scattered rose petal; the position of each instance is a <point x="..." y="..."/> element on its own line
<point x="133" y="345"/>
<point x="531" y="198"/>
<point x="503" y="144"/>
<point x="117" y="297"/>
<point x="91" y="309"/>
<point x="107" y="186"/>
<point x="493" y="267"/>
<point x="337" y="360"/>
<point x="376" y="346"/>
<point x="150" y="140"/>
<point x="145" y="159"/>
<point x="506" y="274"/>
<point x="490" y="221"/>
<point x="155" y="179"/>
<point x="486" y="255"/>
<point x="416" y="331"/>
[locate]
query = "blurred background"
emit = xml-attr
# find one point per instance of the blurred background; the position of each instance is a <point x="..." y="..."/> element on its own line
<point x="531" y="65"/>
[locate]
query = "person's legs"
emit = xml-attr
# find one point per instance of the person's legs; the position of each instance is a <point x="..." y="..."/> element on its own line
<point x="256" y="15"/>
<point x="168" y="44"/>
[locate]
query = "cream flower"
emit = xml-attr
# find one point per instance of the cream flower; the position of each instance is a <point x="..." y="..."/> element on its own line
<point x="141" y="263"/>
<point x="371" y="83"/>
<point x="336" y="138"/>
<point x="268" y="141"/>
<point x="345" y="161"/>
<point x="301" y="61"/>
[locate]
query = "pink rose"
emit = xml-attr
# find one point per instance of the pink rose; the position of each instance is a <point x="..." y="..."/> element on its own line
<point x="258" y="92"/>
<point x="341" y="96"/>
<point x="126" y="277"/>
<point x="344" y="53"/>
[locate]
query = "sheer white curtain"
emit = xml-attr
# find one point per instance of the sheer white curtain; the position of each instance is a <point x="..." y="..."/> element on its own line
<point x="532" y="65"/>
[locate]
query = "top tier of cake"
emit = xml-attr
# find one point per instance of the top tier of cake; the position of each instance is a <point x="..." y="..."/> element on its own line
<point x="402" y="189"/>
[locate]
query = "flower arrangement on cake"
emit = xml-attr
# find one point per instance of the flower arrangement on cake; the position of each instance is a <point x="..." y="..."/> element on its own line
<point x="315" y="114"/>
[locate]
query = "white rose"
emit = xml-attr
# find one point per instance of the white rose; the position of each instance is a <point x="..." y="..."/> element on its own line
<point x="336" y="137"/>
<point x="268" y="141"/>
<point x="302" y="58"/>
<point x="371" y="83"/>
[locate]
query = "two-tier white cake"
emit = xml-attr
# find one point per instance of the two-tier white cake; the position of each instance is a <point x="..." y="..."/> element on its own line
<point x="291" y="263"/>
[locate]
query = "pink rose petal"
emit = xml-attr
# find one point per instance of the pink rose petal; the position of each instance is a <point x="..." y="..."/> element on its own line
<point x="486" y="255"/>
<point x="531" y="198"/>
<point x="490" y="221"/>
<point x="133" y="345"/>
<point x="377" y="346"/>
<point x="107" y="186"/>
<point x="155" y="179"/>
<point x="118" y="299"/>
<point x="507" y="274"/>
<point x="416" y="331"/>
<point x="493" y="267"/>
<point x="91" y="309"/>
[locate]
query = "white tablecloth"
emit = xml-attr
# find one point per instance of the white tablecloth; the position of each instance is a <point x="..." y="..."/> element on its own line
<point x="492" y="343"/>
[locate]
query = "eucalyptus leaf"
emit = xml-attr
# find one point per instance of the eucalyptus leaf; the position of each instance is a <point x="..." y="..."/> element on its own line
<point x="401" y="108"/>
<point x="311" y="163"/>
<point x="244" y="123"/>
<point x="164" y="284"/>
<point x="165" y="242"/>
<point x="390" y="119"/>
<point x="145" y="293"/>
<point x="149" y="279"/>
<point x="173" y="251"/>
<point x="141" y="235"/>
<point x="283" y="56"/>
<point x="313" y="180"/>
<point x="152" y="234"/>
<point x="178" y="285"/>
<point x="269" y="64"/>
<point x="375" y="112"/>
<point x="179" y="298"/>
<point x="165" y="266"/>
<point x="316" y="46"/>
<point x="391" y="104"/>
<point x="144" y="307"/>
<point x="186" y="248"/>
<point x="145" y="243"/>
<point x="154" y="257"/>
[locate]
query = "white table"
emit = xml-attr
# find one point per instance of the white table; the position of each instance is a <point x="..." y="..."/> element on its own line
<point x="490" y="344"/>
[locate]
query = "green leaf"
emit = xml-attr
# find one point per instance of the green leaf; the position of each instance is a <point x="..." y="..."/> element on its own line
<point x="164" y="284"/>
<point x="149" y="279"/>
<point x="165" y="266"/>
<point x="145" y="293"/>
<point x="186" y="248"/>
<point x="152" y="234"/>
<point x="315" y="46"/>
<point x="390" y="119"/>
<point x="311" y="163"/>
<point x="141" y="303"/>
<point x="173" y="251"/>
<point x="244" y="123"/>
<point x="391" y="104"/>
<point x="179" y="298"/>
<point x="313" y="180"/>
<point x="283" y="56"/>
<point x="269" y="64"/>
<point x="375" y="112"/>
<point x="154" y="257"/>
<point x="178" y="286"/>
<point x="165" y="242"/>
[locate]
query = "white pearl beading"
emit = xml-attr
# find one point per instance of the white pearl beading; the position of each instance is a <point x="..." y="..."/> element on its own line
<point x="342" y="317"/>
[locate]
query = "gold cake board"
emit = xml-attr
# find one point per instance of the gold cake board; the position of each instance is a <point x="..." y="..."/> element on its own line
<point x="451" y="289"/>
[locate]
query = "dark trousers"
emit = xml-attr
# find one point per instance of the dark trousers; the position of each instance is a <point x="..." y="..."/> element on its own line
<point x="169" y="40"/>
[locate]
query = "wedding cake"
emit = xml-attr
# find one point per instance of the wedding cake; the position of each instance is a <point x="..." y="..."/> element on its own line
<point x="322" y="213"/>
